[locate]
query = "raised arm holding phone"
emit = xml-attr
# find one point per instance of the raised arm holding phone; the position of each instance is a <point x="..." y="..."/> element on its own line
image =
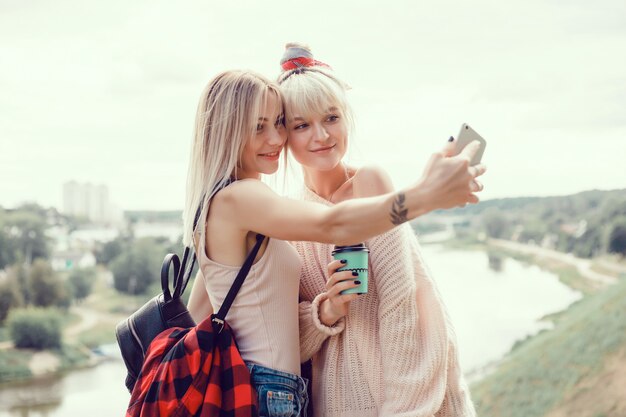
<point x="391" y="350"/>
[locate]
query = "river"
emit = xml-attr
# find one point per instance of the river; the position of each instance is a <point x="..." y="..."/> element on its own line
<point x="493" y="302"/>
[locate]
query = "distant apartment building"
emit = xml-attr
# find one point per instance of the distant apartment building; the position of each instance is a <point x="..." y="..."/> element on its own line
<point x="89" y="201"/>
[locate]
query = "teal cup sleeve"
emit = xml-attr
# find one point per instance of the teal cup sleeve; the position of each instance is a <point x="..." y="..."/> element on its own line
<point x="357" y="261"/>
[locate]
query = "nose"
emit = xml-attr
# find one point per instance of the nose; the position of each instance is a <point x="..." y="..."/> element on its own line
<point x="320" y="133"/>
<point x="277" y="136"/>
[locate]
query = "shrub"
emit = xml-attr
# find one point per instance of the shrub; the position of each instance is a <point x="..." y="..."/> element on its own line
<point x="617" y="238"/>
<point x="136" y="269"/>
<point x="46" y="288"/>
<point x="81" y="282"/>
<point x="110" y="251"/>
<point x="35" y="328"/>
<point x="496" y="224"/>
<point x="10" y="297"/>
<point x="8" y="253"/>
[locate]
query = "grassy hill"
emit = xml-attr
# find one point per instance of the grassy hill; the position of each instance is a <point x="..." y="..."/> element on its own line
<point x="577" y="369"/>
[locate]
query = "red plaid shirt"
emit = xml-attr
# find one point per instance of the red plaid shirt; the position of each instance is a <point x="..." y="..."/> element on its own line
<point x="194" y="372"/>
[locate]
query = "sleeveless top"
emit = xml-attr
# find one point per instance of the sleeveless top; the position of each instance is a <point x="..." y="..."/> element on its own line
<point x="264" y="315"/>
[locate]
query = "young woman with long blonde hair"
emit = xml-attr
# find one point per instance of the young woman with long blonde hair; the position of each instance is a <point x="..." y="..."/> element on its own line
<point x="240" y="135"/>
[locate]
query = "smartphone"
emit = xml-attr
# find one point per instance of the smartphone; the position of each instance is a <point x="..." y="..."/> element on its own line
<point x="465" y="137"/>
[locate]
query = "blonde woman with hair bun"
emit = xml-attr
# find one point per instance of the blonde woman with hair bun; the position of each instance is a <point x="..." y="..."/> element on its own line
<point x="239" y="136"/>
<point x="391" y="351"/>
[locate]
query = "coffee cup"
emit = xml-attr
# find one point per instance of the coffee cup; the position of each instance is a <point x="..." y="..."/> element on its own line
<point x="356" y="257"/>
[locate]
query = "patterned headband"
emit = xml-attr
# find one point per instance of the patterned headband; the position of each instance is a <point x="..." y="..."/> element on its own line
<point x="302" y="62"/>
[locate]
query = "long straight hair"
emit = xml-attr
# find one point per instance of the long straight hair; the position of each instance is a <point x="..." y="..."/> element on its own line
<point x="227" y="116"/>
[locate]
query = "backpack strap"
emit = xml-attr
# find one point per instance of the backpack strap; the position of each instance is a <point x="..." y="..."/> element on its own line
<point x="182" y="275"/>
<point x="218" y="319"/>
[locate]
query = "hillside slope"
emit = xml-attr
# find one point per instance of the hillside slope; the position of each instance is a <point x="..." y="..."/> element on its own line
<point x="576" y="369"/>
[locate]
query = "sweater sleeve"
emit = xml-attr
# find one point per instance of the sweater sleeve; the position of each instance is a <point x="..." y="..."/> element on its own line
<point x="413" y="333"/>
<point x="313" y="332"/>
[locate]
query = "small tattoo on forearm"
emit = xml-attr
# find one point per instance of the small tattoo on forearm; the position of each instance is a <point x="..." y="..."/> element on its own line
<point x="398" y="211"/>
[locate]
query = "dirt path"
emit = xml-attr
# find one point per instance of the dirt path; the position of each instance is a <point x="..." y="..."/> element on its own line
<point x="88" y="319"/>
<point x="612" y="266"/>
<point x="583" y="265"/>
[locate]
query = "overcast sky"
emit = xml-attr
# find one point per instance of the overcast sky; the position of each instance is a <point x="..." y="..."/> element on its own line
<point x="106" y="92"/>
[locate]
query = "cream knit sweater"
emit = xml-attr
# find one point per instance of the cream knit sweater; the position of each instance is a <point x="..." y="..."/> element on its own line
<point x="394" y="354"/>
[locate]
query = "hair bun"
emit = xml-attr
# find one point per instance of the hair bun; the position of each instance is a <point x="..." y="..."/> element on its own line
<point x="298" y="45"/>
<point x="294" y="50"/>
<point x="298" y="55"/>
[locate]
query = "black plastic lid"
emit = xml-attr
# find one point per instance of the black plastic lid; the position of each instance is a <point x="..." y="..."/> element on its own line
<point x="359" y="247"/>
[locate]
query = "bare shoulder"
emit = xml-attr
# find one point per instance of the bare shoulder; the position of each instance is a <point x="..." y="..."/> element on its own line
<point x="370" y="181"/>
<point x="242" y="190"/>
<point x="230" y="202"/>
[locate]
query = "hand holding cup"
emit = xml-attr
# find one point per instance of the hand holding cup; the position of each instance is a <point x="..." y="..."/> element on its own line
<point x="336" y="305"/>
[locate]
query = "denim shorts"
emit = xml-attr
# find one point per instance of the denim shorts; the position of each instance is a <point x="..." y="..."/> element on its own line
<point x="281" y="394"/>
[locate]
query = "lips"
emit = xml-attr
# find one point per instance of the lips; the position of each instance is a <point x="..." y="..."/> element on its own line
<point x="325" y="148"/>
<point x="270" y="155"/>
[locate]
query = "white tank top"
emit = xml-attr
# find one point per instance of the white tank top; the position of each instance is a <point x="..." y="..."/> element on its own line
<point x="264" y="315"/>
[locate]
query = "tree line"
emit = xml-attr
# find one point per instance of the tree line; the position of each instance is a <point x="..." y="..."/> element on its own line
<point x="586" y="224"/>
<point x="33" y="295"/>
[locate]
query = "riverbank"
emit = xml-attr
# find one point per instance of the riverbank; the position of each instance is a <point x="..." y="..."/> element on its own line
<point x="20" y="365"/>
<point x="594" y="355"/>
<point x="88" y="326"/>
<point x="575" y="369"/>
<point x="585" y="275"/>
<point x="585" y="267"/>
<point x="553" y="373"/>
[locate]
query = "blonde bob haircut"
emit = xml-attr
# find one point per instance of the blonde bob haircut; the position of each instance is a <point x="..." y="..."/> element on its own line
<point x="226" y="119"/>
<point x="309" y="91"/>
